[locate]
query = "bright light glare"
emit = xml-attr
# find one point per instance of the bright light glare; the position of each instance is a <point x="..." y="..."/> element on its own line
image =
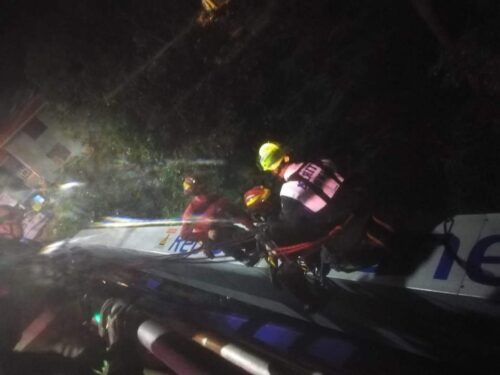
<point x="97" y="318"/>
<point x="51" y="247"/>
<point x="70" y="185"/>
<point x="126" y="222"/>
<point x="118" y="222"/>
<point x="215" y="162"/>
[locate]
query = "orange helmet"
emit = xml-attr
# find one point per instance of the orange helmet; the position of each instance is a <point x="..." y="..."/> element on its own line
<point x="257" y="197"/>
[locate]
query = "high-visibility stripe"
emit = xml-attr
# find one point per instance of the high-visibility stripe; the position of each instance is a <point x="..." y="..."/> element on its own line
<point x="310" y="184"/>
<point x="294" y="190"/>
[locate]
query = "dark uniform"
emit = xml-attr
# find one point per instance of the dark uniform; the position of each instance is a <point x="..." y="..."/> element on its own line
<point x="313" y="200"/>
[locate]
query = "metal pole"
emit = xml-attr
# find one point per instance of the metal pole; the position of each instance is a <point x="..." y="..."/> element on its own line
<point x="234" y="354"/>
<point x="153" y="337"/>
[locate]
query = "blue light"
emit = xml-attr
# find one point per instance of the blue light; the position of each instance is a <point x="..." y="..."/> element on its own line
<point x="370" y="269"/>
<point x="227" y="323"/>
<point x="234" y="321"/>
<point x="335" y="352"/>
<point x="152" y="283"/>
<point x="37" y="202"/>
<point x="38" y="199"/>
<point x="280" y="337"/>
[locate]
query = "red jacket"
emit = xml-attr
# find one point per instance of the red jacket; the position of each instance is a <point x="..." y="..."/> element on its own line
<point x="198" y="217"/>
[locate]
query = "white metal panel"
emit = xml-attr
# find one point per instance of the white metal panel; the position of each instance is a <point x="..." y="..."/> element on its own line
<point x="146" y="239"/>
<point x="154" y="240"/>
<point x="102" y="237"/>
<point x="466" y="229"/>
<point x="483" y="278"/>
<point x="439" y="273"/>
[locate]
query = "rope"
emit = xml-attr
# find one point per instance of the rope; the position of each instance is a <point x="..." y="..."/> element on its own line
<point x="286" y="250"/>
<point x="290" y="249"/>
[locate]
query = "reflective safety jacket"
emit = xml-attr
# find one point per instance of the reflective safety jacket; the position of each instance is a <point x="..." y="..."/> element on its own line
<point x="312" y="184"/>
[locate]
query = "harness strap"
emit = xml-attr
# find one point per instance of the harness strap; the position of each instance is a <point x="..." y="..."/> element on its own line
<point x="327" y="170"/>
<point x="315" y="188"/>
<point x="286" y="250"/>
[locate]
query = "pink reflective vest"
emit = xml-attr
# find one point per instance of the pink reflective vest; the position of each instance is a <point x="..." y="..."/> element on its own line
<point x="312" y="184"/>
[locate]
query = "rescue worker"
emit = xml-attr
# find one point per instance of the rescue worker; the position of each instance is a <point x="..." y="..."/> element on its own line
<point x="212" y="220"/>
<point x="314" y="200"/>
<point x="308" y="195"/>
<point x="258" y="203"/>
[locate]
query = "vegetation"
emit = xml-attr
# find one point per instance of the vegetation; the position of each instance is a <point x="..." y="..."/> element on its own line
<point x="403" y="94"/>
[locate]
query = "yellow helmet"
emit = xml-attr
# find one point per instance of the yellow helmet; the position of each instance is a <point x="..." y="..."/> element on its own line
<point x="271" y="155"/>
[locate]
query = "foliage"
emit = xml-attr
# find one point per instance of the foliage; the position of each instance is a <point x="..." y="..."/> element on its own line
<point x="366" y="83"/>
